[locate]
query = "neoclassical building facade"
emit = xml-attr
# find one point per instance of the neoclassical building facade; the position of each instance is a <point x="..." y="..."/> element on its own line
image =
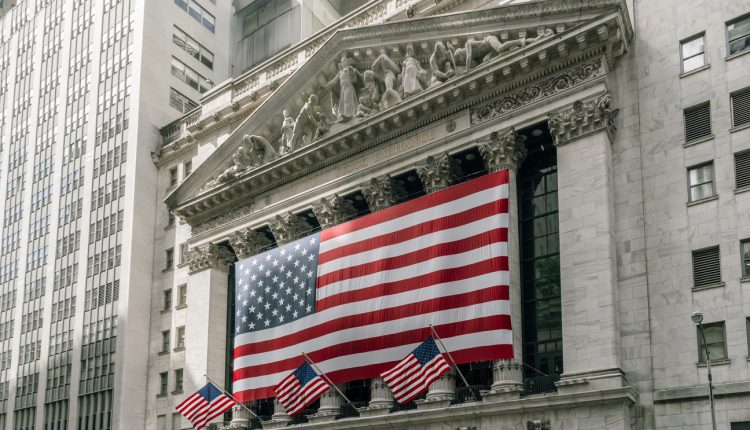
<point x="403" y="99"/>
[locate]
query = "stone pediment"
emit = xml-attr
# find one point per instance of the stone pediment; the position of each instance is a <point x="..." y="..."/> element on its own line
<point x="368" y="85"/>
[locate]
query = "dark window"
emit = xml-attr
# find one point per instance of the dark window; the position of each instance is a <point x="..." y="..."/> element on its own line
<point x="182" y="299"/>
<point x="740" y="108"/>
<point x="188" y="169"/>
<point x="167" y="300"/>
<point x="540" y="265"/>
<point x="715" y="340"/>
<point x="168" y="258"/>
<point x="738" y="35"/>
<point x="165" y="341"/>
<point x="697" y="122"/>
<point x="706" y="267"/>
<point x="693" y="53"/>
<point x="744" y="425"/>
<point x="163" y="383"/>
<point x="173" y="176"/>
<point x="742" y="169"/>
<point x="177" y="381"/>
<point x="745" y="254"/>
<point x="701" y="182"/>
<point x="180" y="341"/>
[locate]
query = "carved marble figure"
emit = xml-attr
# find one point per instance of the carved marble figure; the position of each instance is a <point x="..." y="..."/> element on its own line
<point x="366" y="106"/>
<point x="260" y="149"/>
<point x="287" y="132"/>
<point x="343" y="93"/>
<point x="386" y="71"/>
<point x="311" y="123"/>
<point x="440" y="63"/>
<point x="484" y="50"/>
<point x="241" y="160"/>
<point x="548" y="32"/>
<point x="413" y="75"/>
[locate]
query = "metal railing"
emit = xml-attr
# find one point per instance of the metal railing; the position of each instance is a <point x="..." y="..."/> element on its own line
<point x="540" y="385"/>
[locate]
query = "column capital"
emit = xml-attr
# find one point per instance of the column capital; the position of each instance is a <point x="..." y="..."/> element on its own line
<point x="247" y="242"/>
<point x="583" y="118"/>
<point x="383" y="192"/>
<point x="333" y="210"/>
<point x="438" y="172"/>
<point x="504" y="150"/>
<point x="209" y="256"/>
<point x="288" y="227"/>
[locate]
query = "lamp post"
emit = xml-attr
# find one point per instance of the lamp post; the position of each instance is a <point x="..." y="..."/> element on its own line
<point x="697" y="318"/>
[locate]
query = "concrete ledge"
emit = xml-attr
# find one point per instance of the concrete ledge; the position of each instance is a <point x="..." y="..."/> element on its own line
<point x="701" y="392"/>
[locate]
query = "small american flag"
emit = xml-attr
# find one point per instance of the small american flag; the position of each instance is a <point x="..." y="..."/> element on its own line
<point x="412" y="375"/>
<point x="206" y="404"/>
<point x="300" y="388"/>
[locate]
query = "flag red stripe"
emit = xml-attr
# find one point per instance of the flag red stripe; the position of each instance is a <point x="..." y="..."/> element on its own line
<point x="309" y="393"/>
<point x="224" y="404"/>
<point x="188" y="401"/>
<point x="494" y="322"/>
<point x="427" y="379"/>
<point x="438" y="224"/>
<point x="424" y="202"/>
<point x="415" y="382"/>
<point x="415" y="257"/>
<point x="499" y="292"/>
<point x="415" y="283"/>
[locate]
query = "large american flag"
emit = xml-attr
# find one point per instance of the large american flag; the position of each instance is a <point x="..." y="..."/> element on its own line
<point x="360" y="296"/>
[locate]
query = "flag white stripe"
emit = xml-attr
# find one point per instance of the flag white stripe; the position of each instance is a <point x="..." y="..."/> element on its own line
<point x="452" y="207"/>
<point x="492" y="222"/>
<point x="188" y="404"/>
<point x="368" y="331"/>
<point x="406" y="378"/>
<point x="431" y="369"/>
<point x="422" y="268"/>
<point x="486" y="338"/>
<point x="216" y="410"/>
<point x="501" y="277"/>
<point x="408" y="361"/>
<point x="307" y="392"/>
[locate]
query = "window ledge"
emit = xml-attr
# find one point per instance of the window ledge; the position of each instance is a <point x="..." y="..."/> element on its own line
<point x="741" y="190"/>
<point x="699" y="69"/>
<point x="164" y="352"/>
<point x="709" y="286"/>
<point x="721" y="362"/>
<point x="178" y="307"/>
<point x="698" y="140"/>
<point x="704" y="200"/>
<point x="176" y="392"/>
<point x="745" y="279"/>
<point x="737" y="54"/>
<point x="164" y="311"/>
<point x="160" y="395"/>
<point x="166" y="269"/>
<point x="739" y="127"/>
<point x="179" y="349"/>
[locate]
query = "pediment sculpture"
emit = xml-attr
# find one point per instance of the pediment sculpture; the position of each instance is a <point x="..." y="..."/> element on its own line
<point x="359" y="90"/>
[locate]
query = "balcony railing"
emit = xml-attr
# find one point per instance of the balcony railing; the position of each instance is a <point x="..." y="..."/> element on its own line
<point x="540" y="385"/>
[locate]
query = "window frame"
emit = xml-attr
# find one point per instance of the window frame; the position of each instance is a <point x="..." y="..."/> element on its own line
<point x="726" y="34"/>
<point x="732" y="95"/>
<point x="163" y="383"/>
<point x="182" y="295"/>
<point x="166" y="340"/>
<point x="169" y="259"/>
<point x="180" y="338"/>
<point x="178" y="381"/>
<point x="745" y="262"/>
<point x="690" y="185"/>
<point x="167" y="300"/>
<point x="703" y="52"/>
<point x="701" y="351"/>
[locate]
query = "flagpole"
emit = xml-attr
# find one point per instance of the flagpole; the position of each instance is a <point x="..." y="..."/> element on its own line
<point x="312" y="363"/>
<point x="231" y="396"/>
<point x="449" y="356"/>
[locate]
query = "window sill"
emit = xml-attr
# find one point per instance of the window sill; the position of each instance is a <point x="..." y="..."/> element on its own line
<point x="179" y="349"/>
<point x="164" y="311"/>
<point x="739" y="128"/>
<point x="745" y="279"/>
<point x="697" y="141"/>
<point x="737" y="54"/>
<point x="162" y="353"/>
<point x="721" y="362"/>
<point x="166" y="269"/>
<point x="741" y="190"/>
<point x="161" y="395"/>
<point x="709" y="286"/>
<point x="694" y="71"/>
<point x="704" y="200"/>
<point x="178" y="307"/>
<point x="176" y="392"/>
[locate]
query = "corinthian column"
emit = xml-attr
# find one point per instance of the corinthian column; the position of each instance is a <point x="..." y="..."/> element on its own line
<point x="289" y="227"/>
<point x="333" y="210"/>
<point x="247" y="242"/>
<point x="506" y="150"/>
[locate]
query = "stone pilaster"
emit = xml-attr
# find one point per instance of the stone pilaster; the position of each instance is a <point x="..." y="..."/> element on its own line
<point x="588" y="259"/>
<point x="248" y="242"/>
<point x="506" y="150"/>
<point x="383" y="192"/>
<point x="333" y="210"/>
<point x="330" y="406"/>
<point x="438" y="172"/>
<point x="289" y="227"/>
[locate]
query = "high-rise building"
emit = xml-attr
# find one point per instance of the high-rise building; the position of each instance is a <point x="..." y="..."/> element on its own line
<point x="83" y="86"/>
<point x="624" y="126"/>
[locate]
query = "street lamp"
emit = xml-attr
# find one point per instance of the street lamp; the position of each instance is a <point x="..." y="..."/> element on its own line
<point x="697" y="318"/>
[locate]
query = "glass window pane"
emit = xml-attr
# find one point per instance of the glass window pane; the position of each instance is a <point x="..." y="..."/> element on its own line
<point x="714" y="333"/>
<point x="540" y="207"/>
<point x="739" y="28"/>
<point x="692" y="47"/>
<point x="181" y="3"/>
<point x="693" y="63"/>
<point x="739" y="44"/>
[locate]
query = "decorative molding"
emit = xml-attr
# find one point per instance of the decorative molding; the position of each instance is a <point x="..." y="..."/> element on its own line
<point x="248" y="242"/>
<point x="383" y="192"/>
<point x="289" y="227"/>
<point x="333" y="210"/>
<point x="439" y="172"/>
<point x="534" y="93"/>
<point x="582" y="119"/>
<point x="209" y="256"/>
<point x="222" y="219"/>
<point x="505" y="150"/>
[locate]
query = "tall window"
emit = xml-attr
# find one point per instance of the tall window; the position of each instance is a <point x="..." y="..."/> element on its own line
<point x="172" y="177"/>
<point x="165" y="341"/>
<point x="706" y="267"/>
<point x="198" y="13"/>
<point x="177" y="381"/>
<point x="194" y="79"/>
<point x="182" y="290"/>
<point x="738" y="35"/>
<point x="715" y="340"/>
<point x="187" y="170"/>
<point x="163" y="383"/>
<point x="168" y="259"/>
<point x="167" y="300"/>
<point x="701" y="182"/>
<point x="697" y="123"/>
<point x="693" y="52"/>
<point x="540" y="265"/>
<point x="745" y="255"/>
<point x="180" y="341"/>
<point x="192" y="47"/>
